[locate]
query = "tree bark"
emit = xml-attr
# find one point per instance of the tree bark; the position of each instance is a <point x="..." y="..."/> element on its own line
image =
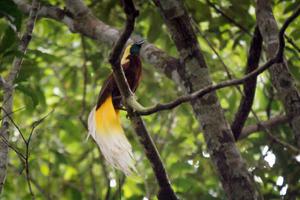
<point x="194" y="75"/>
<point x="88" y="25"/>
<point x="8" y="88"/>
<point x="280" y="76"/>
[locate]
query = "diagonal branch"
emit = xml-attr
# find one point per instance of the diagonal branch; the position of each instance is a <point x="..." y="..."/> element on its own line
<point x="88" y="25"/>
<point x="249" y="86"/>
<point x="228" y="18"/>
<point x="200" y="93"/>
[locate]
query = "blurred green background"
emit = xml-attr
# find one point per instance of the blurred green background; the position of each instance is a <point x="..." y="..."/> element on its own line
<point x="64" y="165"/>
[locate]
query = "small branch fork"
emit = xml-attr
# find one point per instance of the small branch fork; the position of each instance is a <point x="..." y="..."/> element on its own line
<point x="59" y="15"/>
<point x="8" y="91"/>
<point x="24" y="157"/>
<point x="165" y="190"/>
<point x="200" y="93"/>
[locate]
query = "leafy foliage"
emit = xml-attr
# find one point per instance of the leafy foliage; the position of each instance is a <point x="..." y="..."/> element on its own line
<point x="65" y="166"/>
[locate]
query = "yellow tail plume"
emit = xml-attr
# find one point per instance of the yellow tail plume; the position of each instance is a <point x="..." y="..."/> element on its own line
<point x="105" y="127"/>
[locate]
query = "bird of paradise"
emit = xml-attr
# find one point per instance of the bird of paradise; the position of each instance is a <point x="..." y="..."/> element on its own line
<point x="104" y="124"/>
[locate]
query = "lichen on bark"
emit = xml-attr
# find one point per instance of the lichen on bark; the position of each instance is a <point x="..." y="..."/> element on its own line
<point x="194" y="75"/>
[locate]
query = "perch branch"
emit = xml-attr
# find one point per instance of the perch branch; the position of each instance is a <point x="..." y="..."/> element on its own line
<point x="200" y="93"/>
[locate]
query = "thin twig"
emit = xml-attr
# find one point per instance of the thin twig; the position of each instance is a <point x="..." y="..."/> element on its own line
<point x="27" y="152"/>
<point x="241" y="27"/>
<point x="14" y="123"/>
<point x="230" y="19"/>
<point x="291" y="41"/>
<point x="21" y="156"/>
<point x="11" y="113"/>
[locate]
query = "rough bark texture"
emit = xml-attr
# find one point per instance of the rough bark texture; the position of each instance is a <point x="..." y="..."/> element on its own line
<point x="87" y="24"/>
<point x="280" y="75"/>
<point x="5" y="135"/>
<point x="8" y="87"/>
<point x="193" y="75"/>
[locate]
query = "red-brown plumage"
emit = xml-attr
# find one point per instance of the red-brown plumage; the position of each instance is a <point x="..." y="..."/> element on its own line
<point x="133" y="72"/>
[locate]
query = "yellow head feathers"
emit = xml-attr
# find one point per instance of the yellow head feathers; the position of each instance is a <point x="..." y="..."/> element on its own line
<point x="126" y="53"/>
<point x="133" y="49"/>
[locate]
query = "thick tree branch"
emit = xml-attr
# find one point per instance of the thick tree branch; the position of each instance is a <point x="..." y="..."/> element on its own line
<point x="281" y="78"/>
<point x="88" y="25"/>
<point x="200" y="93"/>
<point x="9" y="90"/>
<point x="194" y="76"/>
<point x="247" y="99"/>
<point x="249" y="85"/>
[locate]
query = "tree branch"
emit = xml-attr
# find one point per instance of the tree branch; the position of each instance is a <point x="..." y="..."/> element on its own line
<point x="241" y="27"/>
<point x="281" y="78"/>
<point x="9" y="90"/>
<point x="2" y="82"/>
<point x="88" y="25"/>
<point x="249" y="85"/>
<point x="230" y="19"/>
<point x="194" y="75"/>
<point x="271" y="123"/>
<point x="200" y="93"/>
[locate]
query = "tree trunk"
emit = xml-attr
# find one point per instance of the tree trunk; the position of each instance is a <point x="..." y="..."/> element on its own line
<point x="193" y="75"/>
<point x="280" y="75"/>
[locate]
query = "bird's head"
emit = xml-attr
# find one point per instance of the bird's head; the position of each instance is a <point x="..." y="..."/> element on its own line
<point x="136" y="47"/>
<point x="132" y="50"/>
